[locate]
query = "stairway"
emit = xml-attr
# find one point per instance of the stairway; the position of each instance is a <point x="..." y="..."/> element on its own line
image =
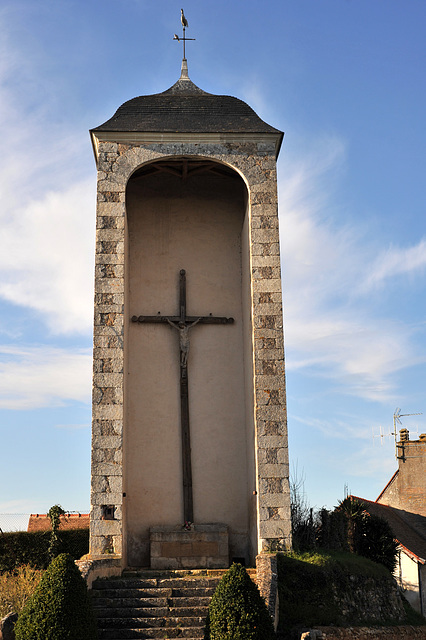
<point x="154" y="604"/>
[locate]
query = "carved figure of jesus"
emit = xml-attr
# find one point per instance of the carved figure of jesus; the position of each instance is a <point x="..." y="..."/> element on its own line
<point x="183" y="329"/>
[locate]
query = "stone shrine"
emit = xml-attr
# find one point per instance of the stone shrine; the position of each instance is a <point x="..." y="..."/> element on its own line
<point x="189" y="447"/>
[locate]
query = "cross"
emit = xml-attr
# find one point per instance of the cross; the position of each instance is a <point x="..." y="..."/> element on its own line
<point x="183" y="323"/>
<point x="183" y="39"/>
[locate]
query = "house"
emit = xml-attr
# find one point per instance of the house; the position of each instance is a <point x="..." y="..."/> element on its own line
<point x="410" y="571"/>
<point x="402" y="504"/>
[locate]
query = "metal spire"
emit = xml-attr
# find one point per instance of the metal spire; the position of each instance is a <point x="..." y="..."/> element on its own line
<point x="183" y="38"/>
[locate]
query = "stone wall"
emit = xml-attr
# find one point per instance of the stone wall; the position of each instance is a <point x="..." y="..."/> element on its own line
<point x="256" y="163"/>
<point x="371" y="599"/>
<point x="365" y="633"/>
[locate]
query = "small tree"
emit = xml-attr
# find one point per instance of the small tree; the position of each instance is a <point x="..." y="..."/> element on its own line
<point x="352" y="510"/>
<point x="303" y="519"/>
<point x="332" y="530"/>
<point x="60" y="607"/>
<point x="237" y="611"/>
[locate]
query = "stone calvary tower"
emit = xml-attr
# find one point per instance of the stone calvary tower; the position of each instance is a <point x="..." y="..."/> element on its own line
<point x="189" y="453"/>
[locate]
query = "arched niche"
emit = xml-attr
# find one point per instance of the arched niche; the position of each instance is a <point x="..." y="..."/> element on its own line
<point x="192" y="214"/>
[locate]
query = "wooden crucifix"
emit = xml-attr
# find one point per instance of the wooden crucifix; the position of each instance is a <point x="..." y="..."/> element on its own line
<point x="183" y="323"/>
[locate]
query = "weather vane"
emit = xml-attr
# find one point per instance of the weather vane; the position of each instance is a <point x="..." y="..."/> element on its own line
<point x="183" y="39"/>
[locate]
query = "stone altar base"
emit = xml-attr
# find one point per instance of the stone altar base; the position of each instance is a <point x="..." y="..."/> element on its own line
<point x="198" y="547"/>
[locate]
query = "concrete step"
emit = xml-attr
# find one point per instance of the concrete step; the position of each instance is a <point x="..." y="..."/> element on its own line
<point x="129" y="602"/>
<point x="174" y="573"/>
<point x="163" y="633"/>
<point x="126" y="592"/>
<point x="157" y="583"/>
<point x="180" y="601"/>
<point x="169" y="622"/>
<point x="151" y="612"/>
<point x="133" y="612"/>
<point x="149" y="604"/>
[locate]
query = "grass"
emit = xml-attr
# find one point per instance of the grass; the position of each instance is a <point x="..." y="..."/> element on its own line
<point x="333" y="561"/>
<point x="16" y="587"/>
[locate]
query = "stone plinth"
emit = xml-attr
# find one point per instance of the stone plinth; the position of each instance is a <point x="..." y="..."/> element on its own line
<point x="200" y="546"/>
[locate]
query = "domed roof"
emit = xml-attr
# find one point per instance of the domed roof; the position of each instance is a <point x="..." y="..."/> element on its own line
<point x="185" y="108"/>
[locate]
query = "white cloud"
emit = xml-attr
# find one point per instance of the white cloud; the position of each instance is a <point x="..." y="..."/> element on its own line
<point x="396" y="261"/>
<point x="47" y="261"/>
<point x="330" y="326"/>
<point x="48" y="204"/>
<point x="35" y="377"/>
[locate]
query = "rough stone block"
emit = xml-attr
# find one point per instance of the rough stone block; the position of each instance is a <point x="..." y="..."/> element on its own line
<point x="272" y="470"/>
<point x="106" y="527"/>
<point x="107" y="412"/>
<point x="274" y="500"/>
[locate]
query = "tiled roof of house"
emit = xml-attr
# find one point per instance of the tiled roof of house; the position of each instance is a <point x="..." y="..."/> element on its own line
<point x="407" y="527"/>
<point x="41" y="522"/>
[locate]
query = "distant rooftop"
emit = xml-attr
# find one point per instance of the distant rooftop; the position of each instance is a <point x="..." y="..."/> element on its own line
<point x="41" y="522"/>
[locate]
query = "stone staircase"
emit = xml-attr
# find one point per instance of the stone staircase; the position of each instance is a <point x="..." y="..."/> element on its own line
<point x="155" y="604"/>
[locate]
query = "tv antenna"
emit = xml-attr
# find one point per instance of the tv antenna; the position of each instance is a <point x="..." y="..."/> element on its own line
<point x="381" y="435"/>
<point x="397" y="419"/>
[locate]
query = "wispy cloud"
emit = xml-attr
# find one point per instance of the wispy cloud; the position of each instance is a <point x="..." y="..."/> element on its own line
<point x="48" y="205"/>
<point x="396" y="261"/>
<point x="330" y="321"/>
<point x="47" y="261"/>
<point x="35" y="377"/>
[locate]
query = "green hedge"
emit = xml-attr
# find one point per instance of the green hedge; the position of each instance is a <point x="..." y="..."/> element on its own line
<point x="20" y="547"/>
<point x="60" y="608"/>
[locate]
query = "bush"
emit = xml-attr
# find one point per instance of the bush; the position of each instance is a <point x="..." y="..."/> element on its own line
<point x="374" y="540"/>
<point x="60" y="607"/>
<point x="20" y="547"/>
<point x="237" y="610"/>
<point x="16" y="587"/>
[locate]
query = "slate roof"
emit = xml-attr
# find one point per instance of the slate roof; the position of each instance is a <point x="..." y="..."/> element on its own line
<point x="185" y="108"/>
<point x="407" y="527"/>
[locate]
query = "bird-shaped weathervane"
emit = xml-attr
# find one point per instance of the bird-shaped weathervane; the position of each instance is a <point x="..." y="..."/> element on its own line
<point x="183" y="39"/>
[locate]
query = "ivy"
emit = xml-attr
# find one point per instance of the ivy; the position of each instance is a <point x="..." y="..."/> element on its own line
<point x="54" y="514"/>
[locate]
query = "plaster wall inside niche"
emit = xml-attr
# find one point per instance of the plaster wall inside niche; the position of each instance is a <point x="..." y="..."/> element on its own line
<point x="196" y="224"/>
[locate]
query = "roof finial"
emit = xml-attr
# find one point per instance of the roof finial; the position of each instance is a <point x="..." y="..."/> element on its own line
<point x="183" y="39"/>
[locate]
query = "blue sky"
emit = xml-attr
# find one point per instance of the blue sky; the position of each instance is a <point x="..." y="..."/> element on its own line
<point x="345" y="80"/>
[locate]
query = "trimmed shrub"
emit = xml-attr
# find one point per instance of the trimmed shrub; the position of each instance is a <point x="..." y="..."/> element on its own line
<point x="237" y="611"/>
<point x="60" y="608"/>
<point x="20" y="547"/>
